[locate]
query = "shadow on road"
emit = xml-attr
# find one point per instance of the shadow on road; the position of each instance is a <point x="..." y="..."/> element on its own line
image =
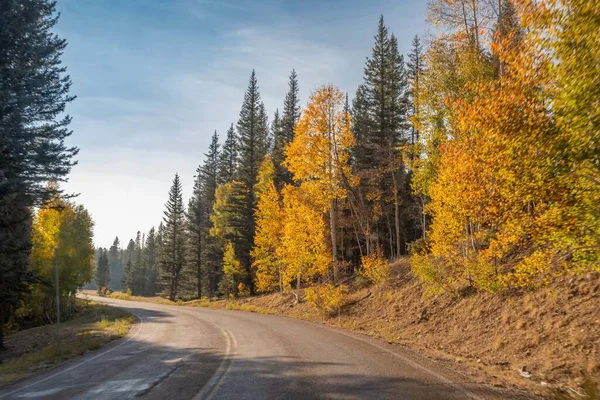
<point x="142" y="368"/>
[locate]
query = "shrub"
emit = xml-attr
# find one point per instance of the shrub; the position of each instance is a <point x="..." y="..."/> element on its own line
<point x="326" y="298"/>
<point x="375" y="268"/>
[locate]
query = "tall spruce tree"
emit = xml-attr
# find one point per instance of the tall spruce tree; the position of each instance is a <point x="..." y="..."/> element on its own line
<point x="127" y="280"/>
<point x="252" y="131"/>
<point x="138" y="267"/>
<point x="381" y="115"/>
<point x="228" y="157"/>
<point x="173" y="258"/>
<point x="285" y="133"/>
<point x="115" y="264"/>
<point x="102" y="277"/>
<point x="34" y="91"/>
<point x="203" y="254"/>
<point x="414" y="70"/>
<point x="151" y="262"/>
<point x="196" y="226"/>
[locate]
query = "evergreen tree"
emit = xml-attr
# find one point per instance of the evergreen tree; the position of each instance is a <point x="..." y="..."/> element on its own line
<point x="203" y="254"/>
<point x="291" y="109"/>
<point x="251" y="135"/>
<point x="151" y="261"/>
<point x="115" y="263"/>
<point x="127" y="279"/>
<point x="196" y="226"/>
<point x="229" y="221"/>
<point x="102" y="277"/>
<point x="264" y="143"/>
<point x="34" y="90"/>
<point x="228" y="157"/>
<point x="381" y="111"/>
<point x="284" y="133"/>
<point x="138" y="268"/>
<point x="252" y="131"/>
<point x="276" y="134"/>
<point x="173" y="258"/>
<point x="414" y="72"/>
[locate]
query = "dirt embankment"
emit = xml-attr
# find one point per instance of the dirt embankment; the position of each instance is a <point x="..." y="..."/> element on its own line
<point x="534" y="340"/>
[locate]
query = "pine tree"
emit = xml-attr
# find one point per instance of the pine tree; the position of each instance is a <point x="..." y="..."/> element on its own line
<point x="228" y="157"/>
<point x="276" y="134"/>
<point x="284" y="133"/>
<point x="229" y="220"/>
<point x="203" y="255"/>
<point x="34" y="90"/>
<point x="381" y="112"/>
<point x="291" y="109"/>
<point x="151" y="261"/>
<point x="196" y="226"/>
<point x="137" y="269"/>
<point x="115" y="264"/>
<point x="251" y="135"/>
<point x="127" y="279"/>
<point x="173" y="259"/>
<point x="102" y="277"/>
<point x="414" y="71"/>
<point x="252" y="131"/>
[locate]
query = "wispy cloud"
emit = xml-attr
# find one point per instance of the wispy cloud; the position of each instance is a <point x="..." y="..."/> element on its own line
<point x="155" y="79"/>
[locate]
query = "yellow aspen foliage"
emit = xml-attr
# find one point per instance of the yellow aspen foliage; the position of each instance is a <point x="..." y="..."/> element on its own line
<point x="70" y="228"/>
<point x="319" y="154"/>
<point x="327" y="298"/>
<point x="266" y="262"/>
<point x="231" y="283"/>
<point x="375" y="268"/>
<point x="303" y="249"/>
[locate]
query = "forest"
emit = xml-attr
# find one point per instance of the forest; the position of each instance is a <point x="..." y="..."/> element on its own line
<point x="476" y="154"/>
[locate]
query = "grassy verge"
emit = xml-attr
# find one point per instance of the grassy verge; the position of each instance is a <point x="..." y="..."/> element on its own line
<point x="35" y="349"/>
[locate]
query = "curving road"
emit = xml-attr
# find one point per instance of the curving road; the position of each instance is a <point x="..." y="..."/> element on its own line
<point x="197" y="353"/>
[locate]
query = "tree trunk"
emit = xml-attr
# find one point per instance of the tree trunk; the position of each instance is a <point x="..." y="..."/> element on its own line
<point x="280" y="279"/>
<point x="298" y="287"/>
<point x="199" y="272"/>
<point x="199" y="288"/>
<point x="396" y="213"/>
<point x="172" y="289"/>
<point x="1" y="328"/>
<point x="332" y="223"/>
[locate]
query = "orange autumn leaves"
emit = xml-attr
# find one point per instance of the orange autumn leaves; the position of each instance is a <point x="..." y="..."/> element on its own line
<point x="507" y="204"/>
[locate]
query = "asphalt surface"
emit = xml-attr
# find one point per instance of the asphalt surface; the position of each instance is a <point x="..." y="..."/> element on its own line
<point x="198" y="353"/>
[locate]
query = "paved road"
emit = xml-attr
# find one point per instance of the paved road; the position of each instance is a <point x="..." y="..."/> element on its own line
<point x="197" y="353"/>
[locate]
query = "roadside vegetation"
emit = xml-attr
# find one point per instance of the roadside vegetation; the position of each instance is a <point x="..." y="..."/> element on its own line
<point x="35" y="349"/>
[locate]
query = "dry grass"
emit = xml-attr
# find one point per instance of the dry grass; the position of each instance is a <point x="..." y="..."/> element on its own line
<point x="35" y="349"/>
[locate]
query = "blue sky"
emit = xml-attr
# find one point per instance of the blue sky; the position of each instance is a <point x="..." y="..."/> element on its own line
<point x="156" y="78"/>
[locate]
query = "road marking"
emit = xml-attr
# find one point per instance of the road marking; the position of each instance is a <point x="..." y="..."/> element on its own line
<point x="41" y="393"/>
<point x="211" y="387"/>
<point x="120" y="386"/>
<point x="140" y="326"/>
